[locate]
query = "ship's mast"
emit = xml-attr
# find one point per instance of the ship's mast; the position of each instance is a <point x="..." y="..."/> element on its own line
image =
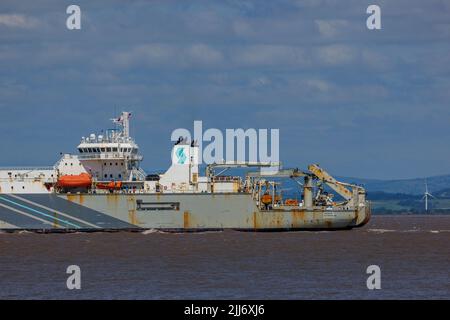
<point x="126" y="123"/>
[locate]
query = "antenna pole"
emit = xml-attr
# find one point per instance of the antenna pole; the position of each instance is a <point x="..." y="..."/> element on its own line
<point x="126" y="123"/>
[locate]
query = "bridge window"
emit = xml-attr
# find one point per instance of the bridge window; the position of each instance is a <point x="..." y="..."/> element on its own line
<point x="108" y="149"/>
<point x="114" y="149"/>
<point x="103" y="149"/>
<point x="80" y="150"/>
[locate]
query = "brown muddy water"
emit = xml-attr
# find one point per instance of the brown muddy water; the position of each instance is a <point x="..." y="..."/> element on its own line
<point x="413" y="253"/>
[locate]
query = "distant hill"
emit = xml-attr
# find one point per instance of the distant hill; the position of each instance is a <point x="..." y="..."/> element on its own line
<point x="444" y="193"/>
<point x="380" y="195"/>
<point x="414" y="186"/>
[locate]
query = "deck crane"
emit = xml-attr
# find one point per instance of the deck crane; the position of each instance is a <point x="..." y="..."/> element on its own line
<point x="353" y="197"/>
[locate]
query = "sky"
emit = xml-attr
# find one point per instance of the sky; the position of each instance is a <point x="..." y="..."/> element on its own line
<point x="362" y="103"/>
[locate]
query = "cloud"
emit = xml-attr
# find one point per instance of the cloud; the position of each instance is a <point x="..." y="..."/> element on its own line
<point x="331" y="28"/>
<point x="269" y="55"/>
<point x="311" y="62"/>
<point x="336" y="54"/>
<point x="317" y="84"/>
<point x="203" y="54"/>
<point x="157" y="55"/>
<point x="17" y="21"/>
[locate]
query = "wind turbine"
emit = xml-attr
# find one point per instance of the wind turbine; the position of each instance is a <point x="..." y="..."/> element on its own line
<point x="426" y="195"/>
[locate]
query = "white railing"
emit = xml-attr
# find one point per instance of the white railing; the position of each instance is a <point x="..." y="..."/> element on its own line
<point x="25" y="168"/>
<point x="112" y="156"/>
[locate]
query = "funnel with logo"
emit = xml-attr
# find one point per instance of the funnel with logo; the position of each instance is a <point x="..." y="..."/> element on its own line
<point x="180" y="155"/>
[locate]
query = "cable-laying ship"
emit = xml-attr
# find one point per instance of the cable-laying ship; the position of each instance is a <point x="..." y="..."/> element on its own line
<point x="103" y="188"/>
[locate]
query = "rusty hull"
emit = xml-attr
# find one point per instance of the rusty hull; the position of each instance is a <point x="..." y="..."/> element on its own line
<point x="198" y="212"/>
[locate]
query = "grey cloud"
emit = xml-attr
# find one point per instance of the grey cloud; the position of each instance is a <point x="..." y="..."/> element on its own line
<point x="18" y="21"/>
<point x="167" y="55"/>
<point x="310" y="68"/>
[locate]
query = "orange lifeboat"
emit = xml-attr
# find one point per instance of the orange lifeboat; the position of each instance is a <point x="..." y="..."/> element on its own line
<point x="291" y="202"/>
<point x="266" y="198"/>
<point x="110" y="185"/>
<point x="83" y="180"/>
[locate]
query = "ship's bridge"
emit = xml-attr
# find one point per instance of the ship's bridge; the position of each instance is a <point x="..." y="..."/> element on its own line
<point x="112" y="155"/>
<point x="100" y="148"/>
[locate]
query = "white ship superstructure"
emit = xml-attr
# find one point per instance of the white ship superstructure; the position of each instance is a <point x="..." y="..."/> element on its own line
<point x="113" y="157"/>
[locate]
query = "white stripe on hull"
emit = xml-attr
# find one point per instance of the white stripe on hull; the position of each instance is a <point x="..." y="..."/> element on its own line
<point x="53" y="210"/>
<point x="25" y="214"/>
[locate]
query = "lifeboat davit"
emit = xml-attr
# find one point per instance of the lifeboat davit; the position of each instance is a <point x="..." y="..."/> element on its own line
<point x="83" y="180"/>
<point x="113" y="185"/>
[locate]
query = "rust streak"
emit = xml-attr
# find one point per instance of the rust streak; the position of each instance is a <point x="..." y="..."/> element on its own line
<point x="55" y="222"/>
<point x="186" y="219"/>
<point x="297" y="218"/>
<point x="132" y="217"/>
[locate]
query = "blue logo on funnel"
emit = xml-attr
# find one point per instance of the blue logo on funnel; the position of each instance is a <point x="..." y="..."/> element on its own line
<point x="181" y="156"/>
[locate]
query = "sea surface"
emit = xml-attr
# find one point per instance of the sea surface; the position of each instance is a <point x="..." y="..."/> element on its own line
<point x="413" y="253"/>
